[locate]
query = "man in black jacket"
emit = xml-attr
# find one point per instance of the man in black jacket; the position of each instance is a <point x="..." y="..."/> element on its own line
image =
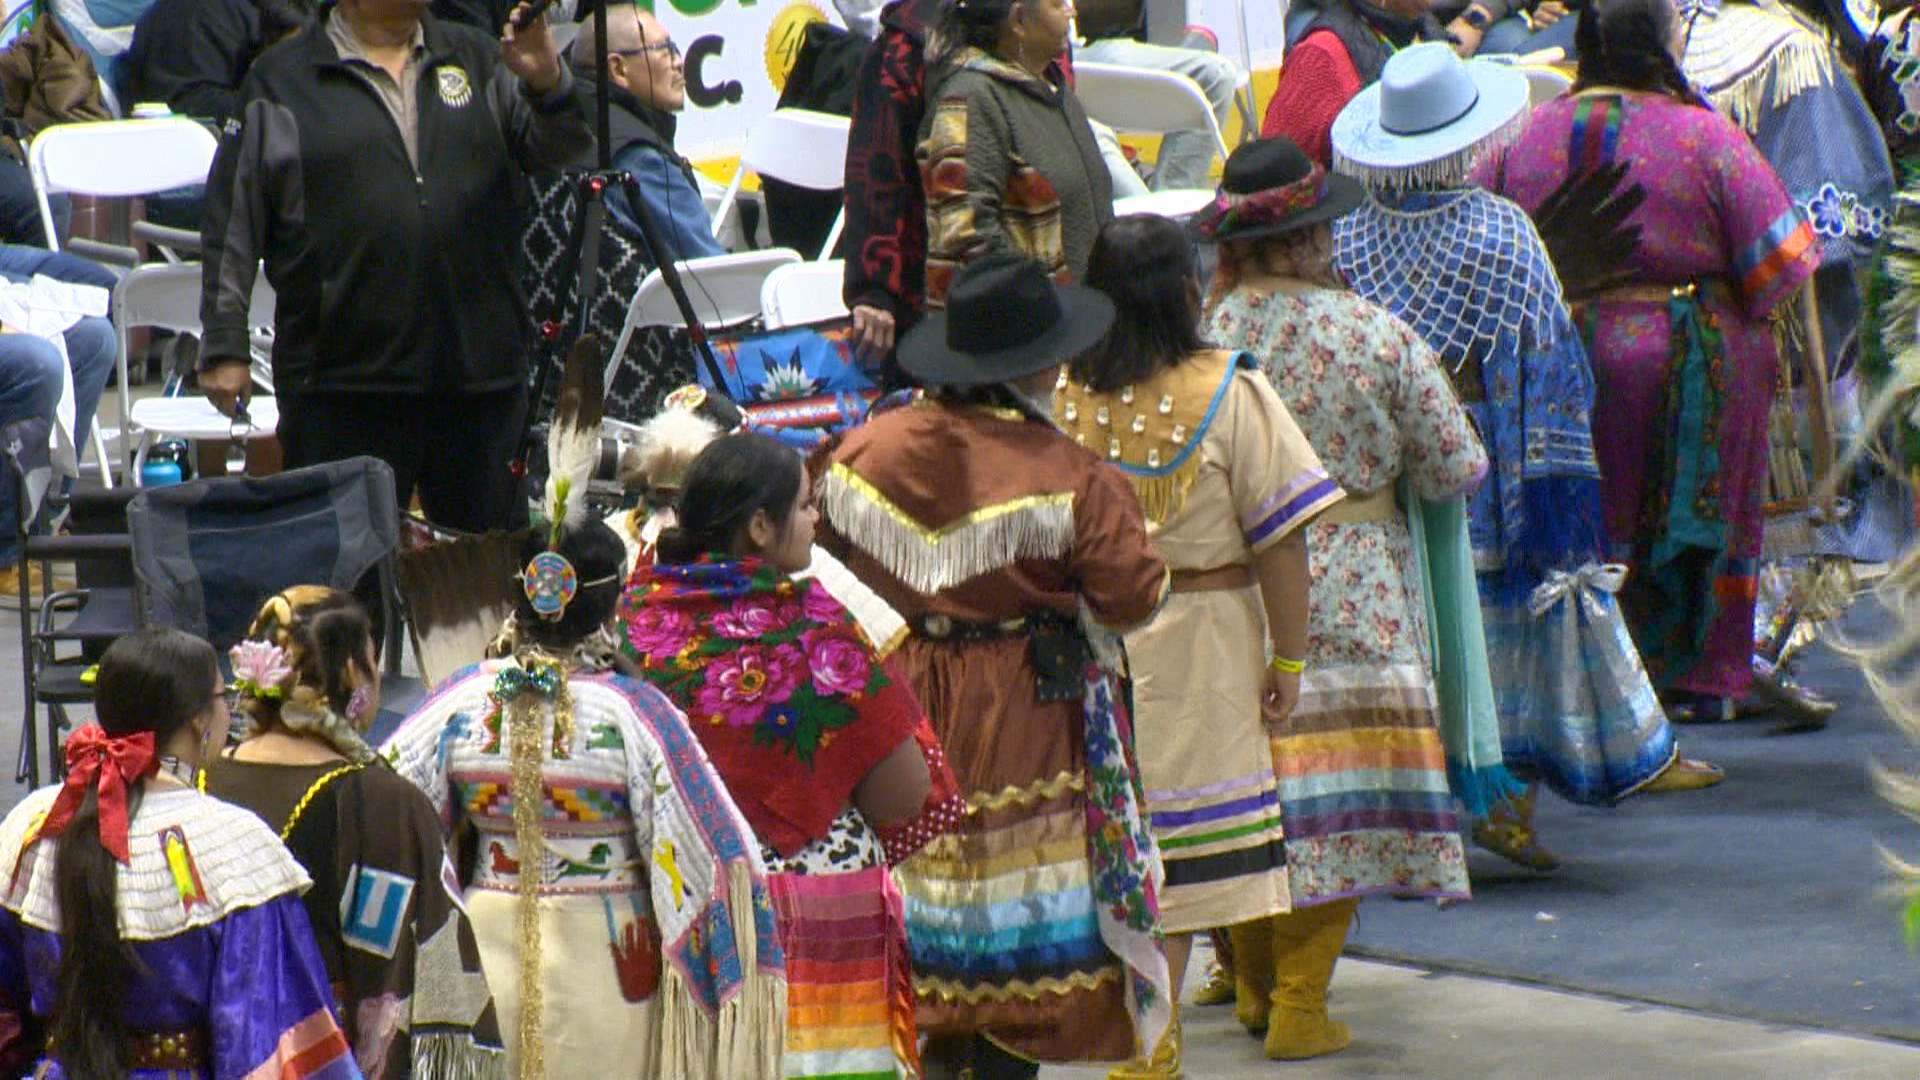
<point x="192" y="54"/>
<point x="376" y="164"/>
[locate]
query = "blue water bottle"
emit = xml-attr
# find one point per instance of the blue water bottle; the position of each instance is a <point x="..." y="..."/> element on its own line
<point x="162" y="465"/>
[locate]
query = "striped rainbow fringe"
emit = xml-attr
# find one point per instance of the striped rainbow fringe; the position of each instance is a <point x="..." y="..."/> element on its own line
<point x="849" y="984"/>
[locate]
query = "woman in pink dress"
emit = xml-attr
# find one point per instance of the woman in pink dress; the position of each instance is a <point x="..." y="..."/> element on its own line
<point x="1683" y="356"/>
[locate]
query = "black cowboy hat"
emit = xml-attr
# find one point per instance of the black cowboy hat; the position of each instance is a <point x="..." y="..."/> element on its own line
<point x="1267" y="165"/>
<point x="1004" y="320"/>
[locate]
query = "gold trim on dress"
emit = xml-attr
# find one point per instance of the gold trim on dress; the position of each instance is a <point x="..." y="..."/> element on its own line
<point x="300" y="808"/>
<point x="1036" y="792"/>
<point x="927" y="559"/>
<point x="1017" y="990"/>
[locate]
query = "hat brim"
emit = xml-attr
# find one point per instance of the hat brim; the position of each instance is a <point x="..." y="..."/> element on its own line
<point x="1361" y="142"/>
<point x="1344" y="193"/>
<point x="1085" y="316"/>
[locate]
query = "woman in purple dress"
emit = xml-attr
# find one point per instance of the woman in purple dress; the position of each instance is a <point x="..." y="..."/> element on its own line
<point x="148" y="930"/>
<point x="1683" y="356"/>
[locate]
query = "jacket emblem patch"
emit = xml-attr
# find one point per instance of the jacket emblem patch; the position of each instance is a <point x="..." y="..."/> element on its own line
<point x="455" y="89"/>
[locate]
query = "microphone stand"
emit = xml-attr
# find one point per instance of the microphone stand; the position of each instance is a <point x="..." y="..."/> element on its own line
<point x="583" y="244"/>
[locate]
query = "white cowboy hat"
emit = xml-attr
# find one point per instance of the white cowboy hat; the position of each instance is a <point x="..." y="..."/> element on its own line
<point x="1426" y="117"/>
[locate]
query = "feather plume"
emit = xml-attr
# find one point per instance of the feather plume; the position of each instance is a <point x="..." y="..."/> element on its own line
<point x="458" y="592"/>
<point x="573" y="440"/>
<point x="668" y="444"/>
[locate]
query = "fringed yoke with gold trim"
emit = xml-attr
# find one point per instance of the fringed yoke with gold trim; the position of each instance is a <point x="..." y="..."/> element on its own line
<point x="931" y="558"/>
<point x="1152" y="431"/>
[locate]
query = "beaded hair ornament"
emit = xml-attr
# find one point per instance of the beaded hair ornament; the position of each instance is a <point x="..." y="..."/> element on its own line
<point x="573" y="448"/>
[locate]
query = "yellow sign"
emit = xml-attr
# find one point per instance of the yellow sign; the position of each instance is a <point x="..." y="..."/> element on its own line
<point x="784" y="38"/>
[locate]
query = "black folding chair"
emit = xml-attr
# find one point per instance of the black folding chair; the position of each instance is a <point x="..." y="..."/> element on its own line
<point x="207" y="553"/>
<point x="91" y="615"/>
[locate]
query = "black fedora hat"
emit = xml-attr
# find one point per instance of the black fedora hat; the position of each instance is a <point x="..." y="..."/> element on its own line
<point x="1004" y="319"/>
<point x="1270" y="186"/>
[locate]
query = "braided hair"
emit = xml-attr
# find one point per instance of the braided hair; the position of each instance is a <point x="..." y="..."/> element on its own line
<point x="965" y="23"/>
<point x="1624" y="43"/>
<point x="326" y="637"/>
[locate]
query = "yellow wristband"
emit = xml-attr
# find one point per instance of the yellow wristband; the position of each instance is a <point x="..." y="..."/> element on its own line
<point x="1286" y="666"/>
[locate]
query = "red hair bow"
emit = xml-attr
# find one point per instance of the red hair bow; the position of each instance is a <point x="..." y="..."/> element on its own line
<point x="109" y="766"/>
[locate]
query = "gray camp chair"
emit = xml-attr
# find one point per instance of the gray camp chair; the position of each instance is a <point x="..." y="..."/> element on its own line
<point x="207" y="553"/>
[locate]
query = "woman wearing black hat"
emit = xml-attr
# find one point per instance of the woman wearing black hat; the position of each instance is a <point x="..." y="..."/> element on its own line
<point x="993" y="533"/>
<point x="1362" y="765"/>
<point x="1227" y="483"/>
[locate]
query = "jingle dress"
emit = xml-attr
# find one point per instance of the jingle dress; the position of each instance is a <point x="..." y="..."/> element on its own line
<point x="1466" y="270"/>
<point x="1223" y="474"/>
<point x="210" y="904"/>
<point x="647" y="937"/>
<point x="1688" y="382"/>
<point x="1035" y="922"/>
<point x="794" y="707"/>
<point x="1363" y="770"/>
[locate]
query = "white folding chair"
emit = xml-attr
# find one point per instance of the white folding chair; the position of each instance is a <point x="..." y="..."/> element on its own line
<point x="1147" y="102"/>
<point x="1545" y="84"/>
<point x="1172" y="204"/>
<point x="167" y="296"/>
<point x="797" y="146"/>
<point x="802" y="293"/>
<point x="724" y="290"/>
<point x="117" y="159"/>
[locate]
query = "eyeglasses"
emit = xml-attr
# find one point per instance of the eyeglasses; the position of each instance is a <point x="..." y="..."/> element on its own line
<point x="670" y="47"/>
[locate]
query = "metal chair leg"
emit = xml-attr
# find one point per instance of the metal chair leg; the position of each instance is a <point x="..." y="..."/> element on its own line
<point x="57" y="722"/>
<point x="27" y="765"/>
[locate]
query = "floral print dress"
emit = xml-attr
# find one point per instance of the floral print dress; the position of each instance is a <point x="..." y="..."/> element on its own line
<point x="1361" y="765"/>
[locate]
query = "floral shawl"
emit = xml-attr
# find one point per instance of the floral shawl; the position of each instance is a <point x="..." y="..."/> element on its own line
<point x="778" y="681"/>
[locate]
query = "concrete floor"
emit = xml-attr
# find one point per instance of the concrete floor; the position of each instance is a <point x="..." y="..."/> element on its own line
<point x="1411" y="1023"/>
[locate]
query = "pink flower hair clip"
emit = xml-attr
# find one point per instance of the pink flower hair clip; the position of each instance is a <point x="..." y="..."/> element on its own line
<point x="259" y="669"/>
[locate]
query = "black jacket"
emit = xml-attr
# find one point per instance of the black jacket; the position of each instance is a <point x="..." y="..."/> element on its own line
<point x="192" y="55"/>
<point x="386" y="280"/>
<point x="1359" y="26"/>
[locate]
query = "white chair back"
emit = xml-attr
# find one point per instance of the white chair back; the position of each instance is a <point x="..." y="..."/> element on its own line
<point x="802" y="293"/>
<point x="1144" y="101"/>
<point x="724" y="290"/>
<point x="801" y="147"/>
<point x="1170" y="204"/>
<point x="1543" y="85"/>
<point x="117" y="159"/>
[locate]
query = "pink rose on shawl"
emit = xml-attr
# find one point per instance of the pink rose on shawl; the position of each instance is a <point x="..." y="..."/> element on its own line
<point x="838" y="661"/>
<point x="751" y="618"/>
<point x="817" y="605"/>
<point x="741" y="686"/>
<point x="659" y="629"/>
